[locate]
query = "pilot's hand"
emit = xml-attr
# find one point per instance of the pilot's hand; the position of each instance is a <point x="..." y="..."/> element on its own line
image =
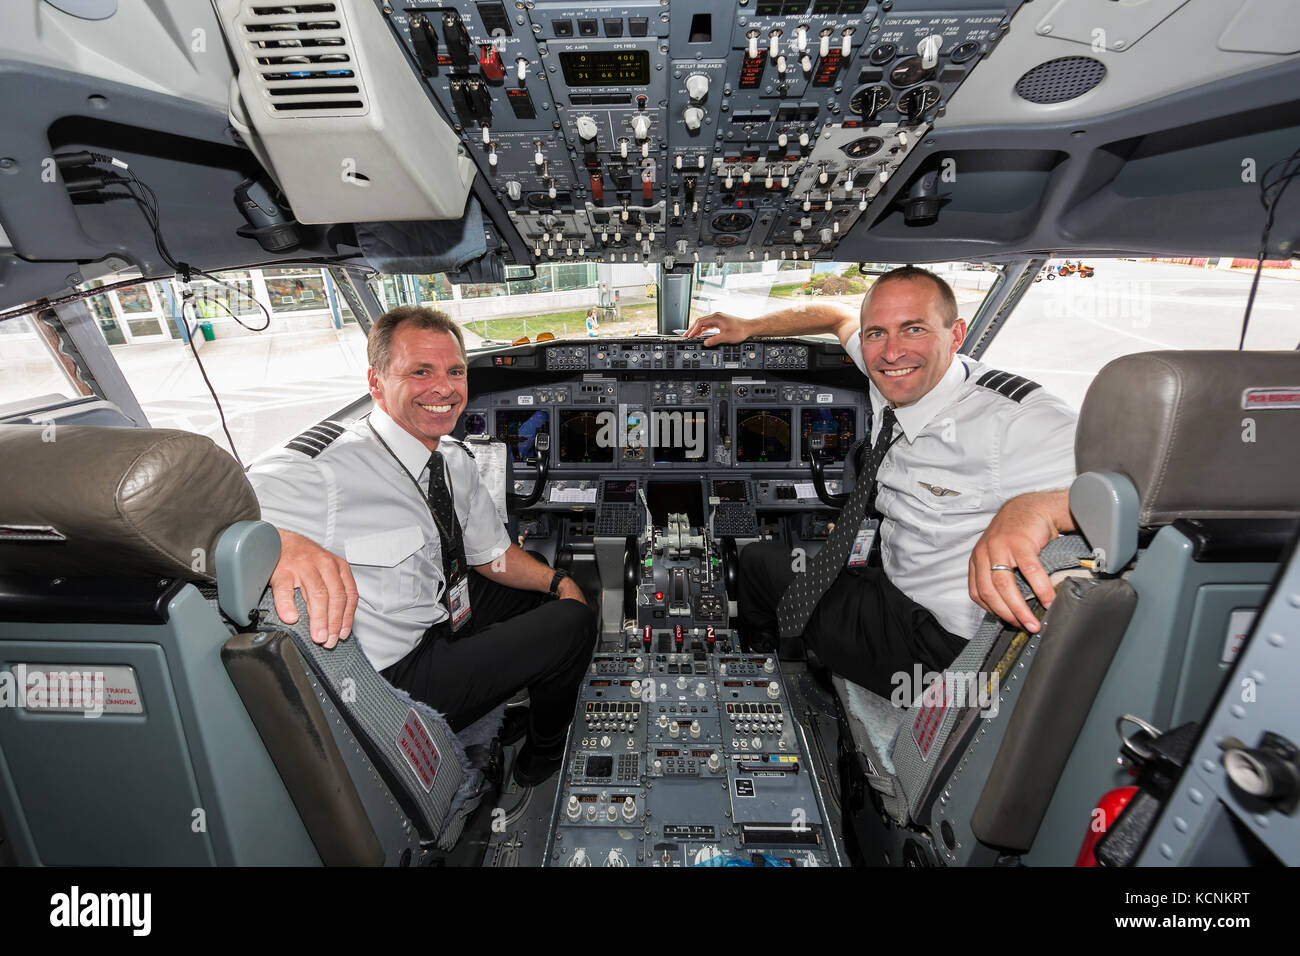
<point x="1020" y="530"/>
<point x="731" y="328"/>
<point x="325" y="581"/>
<point x="568" y="589"/>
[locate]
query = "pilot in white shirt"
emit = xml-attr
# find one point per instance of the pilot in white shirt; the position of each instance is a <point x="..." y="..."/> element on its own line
<point x="966" y="440"/>
<point x="354" y="498"/>
<point x="446" y="607"/>
<point x="967" y="448"/>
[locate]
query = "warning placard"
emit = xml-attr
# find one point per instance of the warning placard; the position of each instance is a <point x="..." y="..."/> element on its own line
<point x="929" y="717"/>
<point x="419" y="750"/>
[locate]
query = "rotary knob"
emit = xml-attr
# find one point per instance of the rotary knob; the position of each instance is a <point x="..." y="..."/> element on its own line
<point x="695" y="728"/>
<point x="604" y="741"/>
<point x="714" y="763"/>
<point x="586" y="128"/>
<point x="769" y="665"/>
<point x="681" y="683"/>
<point x="635" y="688"/>
<point x="514" y="190"/>
<point x="700" y="689"/>
<point x="638" y="665"/>
<point x="611" y="813"/>
<point x="697" y="87"/>
<point x="629" y="809"/>
<point x="573" y="809"/>
<point x="693" y="117"/>
<point x="773" y="690"/>
<point x="640" y="127"/>
<point x="674" y="729"/>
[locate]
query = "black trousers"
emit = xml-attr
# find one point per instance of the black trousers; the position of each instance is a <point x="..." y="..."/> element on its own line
<point x="863" y="628"/>
<point x="516" y="639"/>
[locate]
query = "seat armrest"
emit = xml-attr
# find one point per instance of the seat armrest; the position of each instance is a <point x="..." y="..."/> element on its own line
<point x="247" y="553"/>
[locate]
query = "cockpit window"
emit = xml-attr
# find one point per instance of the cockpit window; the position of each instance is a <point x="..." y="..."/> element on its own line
<point x="29" y="368"/>
<point x="751" y="289"/>
<point x="1081" y="313"/>
<point x="568" y="300"/>
<point x="280" y="347"/>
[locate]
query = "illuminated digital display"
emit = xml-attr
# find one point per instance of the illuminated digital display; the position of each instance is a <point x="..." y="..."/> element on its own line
<point x="838" y="425"/>
<point x="606" y="68"/>
<point x="584" y="438"/>
<point x="763" y="435"/>
<point x="518" y="429"/>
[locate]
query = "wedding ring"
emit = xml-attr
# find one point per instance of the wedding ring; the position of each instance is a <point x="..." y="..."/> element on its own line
<point x="1000" y="567"/>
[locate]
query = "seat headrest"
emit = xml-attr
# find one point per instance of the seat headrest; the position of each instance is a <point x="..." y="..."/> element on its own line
<point x="1201" y="434"/>
<point x="128" y="501"/>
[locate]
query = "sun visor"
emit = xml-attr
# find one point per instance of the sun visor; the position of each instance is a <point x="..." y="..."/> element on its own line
<point x="327" y="101"/>
<point x="424" y="248"/>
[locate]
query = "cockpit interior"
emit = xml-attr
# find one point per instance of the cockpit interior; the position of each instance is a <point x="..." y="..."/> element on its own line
<point x="186" y="187"/>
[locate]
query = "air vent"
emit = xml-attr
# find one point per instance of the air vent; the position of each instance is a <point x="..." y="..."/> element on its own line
<point x="1061" y="79"/>
<point x="306" y="64"/>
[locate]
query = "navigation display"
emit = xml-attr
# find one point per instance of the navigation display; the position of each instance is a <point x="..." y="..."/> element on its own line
<point x="585" y="438"/>
<point x="680" y="435"/>
<point x="839" y="425"/>
<point x="763" y="435"/>
<point x="518" y="430"/>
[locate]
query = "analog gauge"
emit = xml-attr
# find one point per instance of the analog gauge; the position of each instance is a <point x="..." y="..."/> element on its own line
<point x="964" y="51"/>
<point x="883" y="54"/>
<point x="869" y="100"/>
<point x="908" y="72"/>
<point x="865" y="146"/>
<point x="475" y="424"/>
<point x="915" y="102"/>
<point x="731" y="222"/>
<point x="726" y="239"/>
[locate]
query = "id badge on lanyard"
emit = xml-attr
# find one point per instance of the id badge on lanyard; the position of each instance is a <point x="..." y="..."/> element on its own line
<point x="458" y="606"/>
<point x="862" y="543"/>
<point x="458" y="600"/>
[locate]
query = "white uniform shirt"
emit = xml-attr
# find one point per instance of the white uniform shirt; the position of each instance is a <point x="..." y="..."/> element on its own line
<point x="965" y="451"/>
<point x="356" y="500"/>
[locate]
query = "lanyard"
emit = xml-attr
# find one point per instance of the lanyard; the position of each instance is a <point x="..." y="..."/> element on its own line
<point x="448" y="535"/>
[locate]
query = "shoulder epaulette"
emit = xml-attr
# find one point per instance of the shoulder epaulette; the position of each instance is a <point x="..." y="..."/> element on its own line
<point x="1014" y="387"/>
<point x="317" y="438"/>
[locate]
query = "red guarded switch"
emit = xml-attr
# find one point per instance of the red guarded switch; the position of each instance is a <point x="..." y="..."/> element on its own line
<point x="597" y="187"/>
<point x="489" y="62"/>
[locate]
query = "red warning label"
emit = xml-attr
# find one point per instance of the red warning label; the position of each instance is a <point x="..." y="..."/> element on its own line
<point x="929" y="717"/>
<point x="419" y="750"/>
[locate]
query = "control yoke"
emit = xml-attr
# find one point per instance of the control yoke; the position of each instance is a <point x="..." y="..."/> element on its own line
<point x="542" y="441"/>
<point x="816" y="462"/>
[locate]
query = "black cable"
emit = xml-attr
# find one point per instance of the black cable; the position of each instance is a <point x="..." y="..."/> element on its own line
<point x="221" y="413"/>
<point x="147" y="201"/>
<point x="1270" y="196"/>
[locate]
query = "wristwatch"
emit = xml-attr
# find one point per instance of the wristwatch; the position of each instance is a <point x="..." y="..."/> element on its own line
<point x="555" y="582"/>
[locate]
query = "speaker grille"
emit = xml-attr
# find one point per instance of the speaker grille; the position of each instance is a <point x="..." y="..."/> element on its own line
<point x="1061" y="79"/>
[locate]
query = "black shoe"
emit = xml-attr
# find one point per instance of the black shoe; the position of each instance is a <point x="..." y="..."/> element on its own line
<point x="532" y="768"/>
<point x="514" y="726"/>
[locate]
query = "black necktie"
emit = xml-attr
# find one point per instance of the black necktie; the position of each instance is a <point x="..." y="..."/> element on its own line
<point x="796" y="606"/>
<point x="444" y="516"/>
